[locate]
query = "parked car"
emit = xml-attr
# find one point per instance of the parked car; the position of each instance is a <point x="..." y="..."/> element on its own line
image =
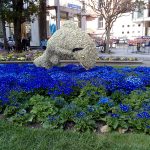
<point x="123" y="41"/>
<point x="115" y="41"/>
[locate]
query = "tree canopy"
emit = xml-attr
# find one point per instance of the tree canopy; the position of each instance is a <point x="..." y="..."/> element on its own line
<point x="18" y="12"/>
<point x="110" y="10"/>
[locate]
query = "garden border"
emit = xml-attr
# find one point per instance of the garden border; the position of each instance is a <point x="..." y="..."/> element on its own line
<point x="98" y="62"/>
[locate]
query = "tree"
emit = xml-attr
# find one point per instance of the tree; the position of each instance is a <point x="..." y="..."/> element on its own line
<point x="3" y="20"/>
<point x="110" y="10"/>
<point x="42" y="20"/>
<point x="18" y="11"/>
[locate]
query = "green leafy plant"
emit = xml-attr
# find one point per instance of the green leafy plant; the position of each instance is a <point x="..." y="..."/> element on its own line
<point x="84" y="124"/>
<point x="35" y="110"/>
<point x="42" y="107"/>
<point x="89" y="95"/>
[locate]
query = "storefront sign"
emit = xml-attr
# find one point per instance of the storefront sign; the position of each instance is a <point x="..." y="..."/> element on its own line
<point x="73" y="6"/>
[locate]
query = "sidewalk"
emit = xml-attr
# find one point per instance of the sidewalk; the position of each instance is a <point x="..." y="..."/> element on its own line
<point x="125" y="52"/>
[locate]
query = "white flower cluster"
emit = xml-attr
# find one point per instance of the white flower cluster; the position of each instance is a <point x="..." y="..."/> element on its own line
<point x="69" y="42"/>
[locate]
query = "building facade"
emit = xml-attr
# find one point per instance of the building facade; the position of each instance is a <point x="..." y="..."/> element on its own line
<point x="131" y="25"/>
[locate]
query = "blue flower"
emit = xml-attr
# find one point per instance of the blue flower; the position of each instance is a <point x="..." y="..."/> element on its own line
<point x="147" y="126"/>
<point x="58" y="81"/>
<point x="80" y="114"/>
<point x="124" y="108"/>
<point x="90" y="109"/>
<point x="104" y="100"/>
<point x="143" y="115"/>
<point x="53" y="118"/>
<point x="115" y="115"/>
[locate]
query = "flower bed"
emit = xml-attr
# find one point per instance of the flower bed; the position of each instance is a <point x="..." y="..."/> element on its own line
<point x="31" y="55"/>
<point x="117" y="58"/>
<point x="25" y="56"/>
<point x="71" y="97"/>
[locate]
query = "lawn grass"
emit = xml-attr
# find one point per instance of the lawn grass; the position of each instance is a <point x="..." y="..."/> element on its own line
<point x="19" y="138"/>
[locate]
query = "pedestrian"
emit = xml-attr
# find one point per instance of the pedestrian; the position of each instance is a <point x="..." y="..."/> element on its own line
<point x="43" y="44"/>
<point x="138" y="47"/>
<point x="28" y="43"/>
<point x="24" y="43"/>
<point x="11" y="44"/>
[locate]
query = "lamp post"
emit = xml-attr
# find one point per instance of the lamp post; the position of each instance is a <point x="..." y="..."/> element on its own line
<point x="83" y="16"/>
<point x="57" y="2"/>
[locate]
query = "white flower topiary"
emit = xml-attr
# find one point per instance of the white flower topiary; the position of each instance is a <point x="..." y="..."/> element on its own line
<point x="69" y="42"/>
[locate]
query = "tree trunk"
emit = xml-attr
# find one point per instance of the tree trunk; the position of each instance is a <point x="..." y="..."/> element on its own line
<point x="107" y="39"/>
<point x="17" y="35"/>
<point x="42" y="20"/>
<point x="17" y="8"/>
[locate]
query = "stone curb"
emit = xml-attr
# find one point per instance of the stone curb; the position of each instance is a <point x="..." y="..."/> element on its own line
<point x="65" y="62"/>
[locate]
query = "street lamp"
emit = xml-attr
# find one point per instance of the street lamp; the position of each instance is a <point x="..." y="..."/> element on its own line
<point x="83" y="16"/>
<point x="57" y="2"/>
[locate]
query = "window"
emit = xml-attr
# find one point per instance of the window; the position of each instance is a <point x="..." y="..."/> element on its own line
<point x="138" y="31"/>
<point x="128" y="25"/>
<point x="100" y="22"/>
<point x="132" y="31"/>
<point x="140" y="13"/>
<point x="133" y="25"/>
<point x="139" y="25"/>
<point x="123" y="26"/>
<point x="122" y="32"/>
<point x="128" y="32"/>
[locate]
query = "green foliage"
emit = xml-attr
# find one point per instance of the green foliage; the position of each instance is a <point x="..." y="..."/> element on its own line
<point x="81" y="113"/>
<point x="84" y="124"/>
<point x="118" y="96"/>
<point x="137" y="117"/>
<point x="36" y="109"/>
<point x="115" y="123"/>
<point x="42" y="107"/>
<point x="10" y="110"/>
<point x="9" y="9"/>
<point x="89" y="95"/>
<point x="19" y="97"/>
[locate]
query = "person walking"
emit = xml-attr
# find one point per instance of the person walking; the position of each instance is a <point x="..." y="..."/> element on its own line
<point x="11" y="44"/>
<point x="28" y="43"/>
<point x="24" y="43"/>
<point x="43" y="44"/>
<point x="138" y="46"/>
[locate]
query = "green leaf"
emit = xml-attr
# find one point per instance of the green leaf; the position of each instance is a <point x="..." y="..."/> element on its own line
<point x="30" y="119"/>
<point x="115" y="124"/>
<point x="46" y="125"/>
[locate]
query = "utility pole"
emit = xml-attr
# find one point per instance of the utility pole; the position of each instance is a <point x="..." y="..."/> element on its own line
<point x="57" y="2"/>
